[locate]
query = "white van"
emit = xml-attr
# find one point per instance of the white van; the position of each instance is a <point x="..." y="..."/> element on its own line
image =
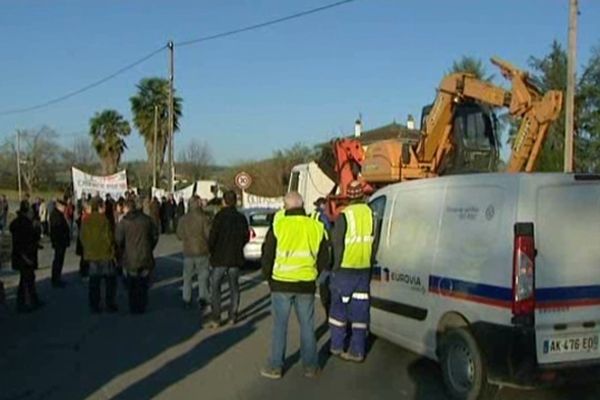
<point x="495" y="276"/>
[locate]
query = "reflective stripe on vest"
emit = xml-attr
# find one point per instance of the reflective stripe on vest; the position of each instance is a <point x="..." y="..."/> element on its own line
<point x="358" y="241"/>
<point x="298" y="240"/>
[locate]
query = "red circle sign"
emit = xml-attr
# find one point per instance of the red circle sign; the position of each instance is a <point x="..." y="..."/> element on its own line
<point x="243" y="180"/>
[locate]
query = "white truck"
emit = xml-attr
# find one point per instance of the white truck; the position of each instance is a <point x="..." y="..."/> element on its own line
<point x="495" y="276"/>
<point x="311" y="182"/>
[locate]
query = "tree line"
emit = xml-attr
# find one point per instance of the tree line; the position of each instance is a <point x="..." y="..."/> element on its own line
<point x="46" y="164"/>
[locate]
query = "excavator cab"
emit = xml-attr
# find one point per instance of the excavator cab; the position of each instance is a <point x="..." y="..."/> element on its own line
<point x="475" y="140"/>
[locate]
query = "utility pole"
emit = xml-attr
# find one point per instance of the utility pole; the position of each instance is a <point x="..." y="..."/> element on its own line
<point x="154" y="146"/>
<point x="570" y="98"/>
<point x="171" y="119"/>
<point x="19" y="164"/>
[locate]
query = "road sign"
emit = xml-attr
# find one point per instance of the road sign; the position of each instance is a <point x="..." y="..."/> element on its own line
<point x="243" y="180"/>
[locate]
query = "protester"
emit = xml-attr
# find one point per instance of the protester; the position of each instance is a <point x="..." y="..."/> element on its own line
<point x="69" y="212"/>
<point x="43" y="214"/>
<point x="320" y="214"/>
<point x="170" y="210"/>
<point x="194" y="229"/>
<point x="228" y="236"/>
<point x="3" y="213"/>
<point x="109" y="211"/>
<point x="84" y="265"/>
<point x="136" y="237"/>
<point x="164" y="220"/>
<point x="60" y="236"/>
<point x="146" y="206"/>
<point x="352" y="241"/>
<point x="97" y="237"/>
<point x="180" y="211"/>
<point x="25" y="242"/>
<point x="294" y="251"/>
<point x="155" y="212"/>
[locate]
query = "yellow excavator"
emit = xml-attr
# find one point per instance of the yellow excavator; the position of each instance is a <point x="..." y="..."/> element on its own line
<point x="459" y="130"/>
<point x="458" y="135"/>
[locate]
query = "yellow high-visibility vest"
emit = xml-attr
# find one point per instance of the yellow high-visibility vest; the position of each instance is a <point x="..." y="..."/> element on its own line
<point x="298" y="240"/>
<point x="358" y="242"/>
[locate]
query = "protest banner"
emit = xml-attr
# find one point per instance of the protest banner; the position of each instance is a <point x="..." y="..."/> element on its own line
<point x="115" y="185"/>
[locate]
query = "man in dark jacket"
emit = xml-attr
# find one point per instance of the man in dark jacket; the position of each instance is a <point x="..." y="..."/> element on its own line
<point x="97" y="238"/>
<point x="60" y="236"/>
<point x="136" y="237"/>
<point x="294" y="252"/>
<point x="25" y="242"/>
<point x="228" y="236"/>
<point x="193" y="229"/>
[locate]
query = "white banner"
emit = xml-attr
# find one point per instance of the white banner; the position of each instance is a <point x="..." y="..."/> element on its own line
<point x="115" y="185"/>
<point x="254" y="201"/>
<point x="203" y="189"/>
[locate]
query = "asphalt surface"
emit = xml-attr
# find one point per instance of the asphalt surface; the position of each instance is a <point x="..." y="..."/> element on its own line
<point x="64" y="352"/>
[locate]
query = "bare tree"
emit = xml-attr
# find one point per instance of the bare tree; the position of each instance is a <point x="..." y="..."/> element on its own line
<point x="39" y="151"/>
<point x="195" y="160"/>
<point x="80" y="154"/>
<point x="83" y="152"/>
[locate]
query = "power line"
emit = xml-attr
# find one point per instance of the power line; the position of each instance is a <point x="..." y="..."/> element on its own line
<point x="181" y="44"/>
<point x="84" y="88"/>
<point x="263" y="24"/>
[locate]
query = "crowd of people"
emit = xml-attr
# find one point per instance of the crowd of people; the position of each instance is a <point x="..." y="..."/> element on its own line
<point x="301" y="252"/>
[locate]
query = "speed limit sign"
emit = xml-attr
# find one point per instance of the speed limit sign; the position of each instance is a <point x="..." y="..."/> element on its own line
<point x="243" y="180"/>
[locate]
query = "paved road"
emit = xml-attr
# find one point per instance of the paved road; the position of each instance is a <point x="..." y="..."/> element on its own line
<point x="63" y="352"/>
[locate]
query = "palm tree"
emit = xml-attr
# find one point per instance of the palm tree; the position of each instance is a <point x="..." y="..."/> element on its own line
<point x="473" y="66"/>
<point x="108" y="130"/>
<point x="154" y="92"/>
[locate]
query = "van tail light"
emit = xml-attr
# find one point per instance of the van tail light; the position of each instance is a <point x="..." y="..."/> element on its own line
<point x="523" y="301"/>
<point x="251" y="233"/>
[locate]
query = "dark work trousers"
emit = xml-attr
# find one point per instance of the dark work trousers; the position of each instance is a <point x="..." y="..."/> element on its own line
<point x="349" y="306"/>
<point x="218" y="273"/>
<point x="26" y="294"/>
<point x="102" y="270"/>
<point x="138" y="293"/>
<point x="57" y="263"/>
<point x="84" y="268"/>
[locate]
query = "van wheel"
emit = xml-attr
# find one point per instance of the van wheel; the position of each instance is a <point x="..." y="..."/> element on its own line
<point x="463" y="368"/>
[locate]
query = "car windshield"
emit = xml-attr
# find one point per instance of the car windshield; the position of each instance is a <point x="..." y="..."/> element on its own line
<point x="260" y="219"/>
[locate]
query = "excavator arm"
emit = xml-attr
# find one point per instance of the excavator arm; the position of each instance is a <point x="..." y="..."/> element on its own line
<point x="524" y="101"/>
<point x="536" y="111"/>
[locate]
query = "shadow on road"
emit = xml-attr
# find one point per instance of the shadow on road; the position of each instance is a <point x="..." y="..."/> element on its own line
<point x="64" y="352"/>
<point x="191" y="361"/>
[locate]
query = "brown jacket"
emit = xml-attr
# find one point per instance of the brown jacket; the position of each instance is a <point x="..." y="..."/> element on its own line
<point x="193" y="229"/>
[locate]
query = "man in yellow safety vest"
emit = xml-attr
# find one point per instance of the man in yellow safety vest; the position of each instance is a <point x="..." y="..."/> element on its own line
<point x="352" y="242"/>
<point x="294" y="251"/>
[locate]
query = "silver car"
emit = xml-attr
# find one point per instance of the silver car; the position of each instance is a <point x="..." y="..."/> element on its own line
<point x="259" y="222"/>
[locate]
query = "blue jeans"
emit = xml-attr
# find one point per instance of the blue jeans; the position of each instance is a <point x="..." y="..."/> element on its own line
<point x="281" y="307"/>
<point x="218" y="274"/>
<point x="195" y="267"/>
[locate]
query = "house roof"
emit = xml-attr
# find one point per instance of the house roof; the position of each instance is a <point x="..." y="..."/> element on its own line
<point x="391" y="131"/>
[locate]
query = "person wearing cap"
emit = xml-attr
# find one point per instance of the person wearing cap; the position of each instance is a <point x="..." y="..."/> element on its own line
<point x="319" y="213"/>
<point x="25" y="242"/>
<point x="294" y="252"/>
<point x="352" y="242"/>
<point x="60" y="236"/>
<point x="136" y="237"/>
<point x="98" y="243"/>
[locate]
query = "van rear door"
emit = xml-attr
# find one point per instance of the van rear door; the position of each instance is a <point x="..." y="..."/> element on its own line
<point x="567" y="270"/>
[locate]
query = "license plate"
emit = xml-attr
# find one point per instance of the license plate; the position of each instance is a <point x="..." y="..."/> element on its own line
<point x="571" y="344"/>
